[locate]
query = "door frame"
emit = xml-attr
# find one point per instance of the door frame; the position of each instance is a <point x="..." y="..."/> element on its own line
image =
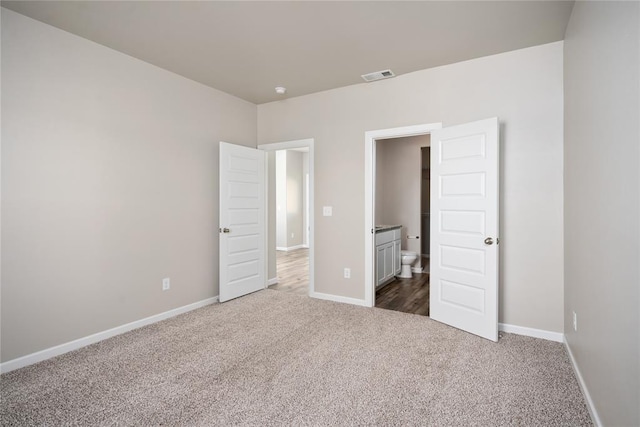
<point x="286" y="145"/>
<point x="306" y="208"/>
<point x="370" y="196"/>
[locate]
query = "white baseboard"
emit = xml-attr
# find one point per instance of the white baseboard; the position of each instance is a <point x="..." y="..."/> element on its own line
<point x="531" y="332"/>
<point x="592" y="409"/>
<point x="272" y="281"/>
<point x="48" y="353"/>
<point x="337" y="298"/>
<point x="290" y="248"/>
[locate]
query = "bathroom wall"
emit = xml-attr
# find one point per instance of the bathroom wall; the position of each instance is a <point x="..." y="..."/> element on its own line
<point x="398" y="186"/>
<point x="425" y="202"/>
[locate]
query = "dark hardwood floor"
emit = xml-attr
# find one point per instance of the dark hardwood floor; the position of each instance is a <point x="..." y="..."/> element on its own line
<point x="425" y="264"/>
<point x="293" y="271"/>
<point x="406" y="295"/>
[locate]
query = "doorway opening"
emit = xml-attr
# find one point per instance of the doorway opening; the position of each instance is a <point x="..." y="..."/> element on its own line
<point x="464" y="207"/>
<point x="402" y="198"/>
<point x="289" y="250"/>
<point x="372" y="139"/>
<point x="292" y="246"/>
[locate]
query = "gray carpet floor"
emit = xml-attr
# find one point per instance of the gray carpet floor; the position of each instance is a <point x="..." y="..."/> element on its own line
<point x="274" y="358"/>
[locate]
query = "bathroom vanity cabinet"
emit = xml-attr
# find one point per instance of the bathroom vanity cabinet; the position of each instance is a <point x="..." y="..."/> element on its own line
<point x="388" y="253"/>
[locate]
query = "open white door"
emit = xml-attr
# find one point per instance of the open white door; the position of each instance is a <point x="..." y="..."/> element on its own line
<point x="242" y="221"/>
<point x="464" y="227"/>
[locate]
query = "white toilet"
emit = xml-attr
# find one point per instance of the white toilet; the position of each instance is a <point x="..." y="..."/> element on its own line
<point x="407" y="259"/>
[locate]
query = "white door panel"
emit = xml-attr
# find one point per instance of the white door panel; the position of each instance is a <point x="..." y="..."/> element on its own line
<point x="464" y="223"/>
<point x="242" y="224"/>
<point x="388" y="261"/>
<point x="397" y="256"/>
<point x="380" y="275"/>
<point x="464" y="212"/>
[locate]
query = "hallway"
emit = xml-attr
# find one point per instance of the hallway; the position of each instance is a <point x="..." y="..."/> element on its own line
<point x="293" y="271"/>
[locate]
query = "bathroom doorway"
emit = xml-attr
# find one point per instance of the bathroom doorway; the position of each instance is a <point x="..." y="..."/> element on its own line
<point x="372" y="138"/>
<point x="463" y="271"/>
<point x="401" y="186"/>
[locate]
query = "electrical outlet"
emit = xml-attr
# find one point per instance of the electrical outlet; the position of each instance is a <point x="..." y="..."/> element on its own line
<point x="575" y="321"/>
<point x="166" y="284"/>
<point x="347" y="273"/>
<point x="327" y="211"/>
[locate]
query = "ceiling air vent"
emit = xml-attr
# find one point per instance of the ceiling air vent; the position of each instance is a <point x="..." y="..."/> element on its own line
<point x="378" y="75"/>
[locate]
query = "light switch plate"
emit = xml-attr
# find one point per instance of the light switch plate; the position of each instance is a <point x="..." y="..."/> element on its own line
<point x="327" y="211"/>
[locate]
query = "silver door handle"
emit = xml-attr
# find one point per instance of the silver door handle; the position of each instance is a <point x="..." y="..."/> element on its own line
<point x="488" y="241"/>
<point x="224" y="230"/>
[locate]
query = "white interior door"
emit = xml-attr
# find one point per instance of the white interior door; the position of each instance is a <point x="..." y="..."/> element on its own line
<point x="242" y="221"/>
<point x="464" y="227"/>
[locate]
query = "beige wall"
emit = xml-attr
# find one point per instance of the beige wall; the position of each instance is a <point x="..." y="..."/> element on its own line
<point x="398" y="185"/>
<point x="602" y="214"/>
<point x="295" y="183"/>
<point x="281" y="198"/>
<point x="289" y="198"/>
<point x="523" y="88"/>
<point x="109" y="184"/>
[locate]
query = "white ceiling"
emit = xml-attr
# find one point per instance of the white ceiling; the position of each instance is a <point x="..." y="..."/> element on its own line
<point x="248" y="48"/>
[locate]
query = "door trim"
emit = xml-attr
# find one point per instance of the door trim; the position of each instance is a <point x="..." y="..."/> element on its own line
<point x="286" y="145"/>
<point x="370" y="138"/>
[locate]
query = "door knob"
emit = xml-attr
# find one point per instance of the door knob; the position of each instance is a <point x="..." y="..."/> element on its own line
<point x="224" y="230"/>
<point x="488" y="241"/>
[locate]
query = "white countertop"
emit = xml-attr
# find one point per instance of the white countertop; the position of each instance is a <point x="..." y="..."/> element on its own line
<point x="380" y="228"/>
